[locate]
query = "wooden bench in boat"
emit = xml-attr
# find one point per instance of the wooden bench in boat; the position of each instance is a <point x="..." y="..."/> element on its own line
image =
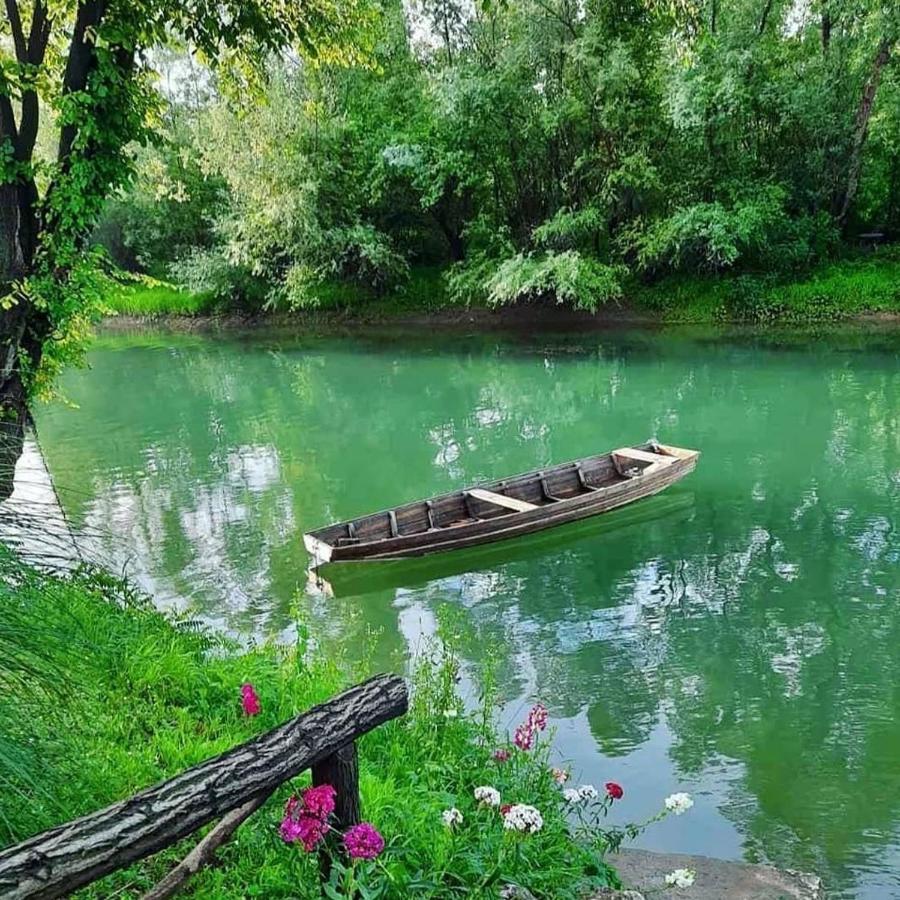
<point x="501" y="500"/>
<point x="657" y="460"/>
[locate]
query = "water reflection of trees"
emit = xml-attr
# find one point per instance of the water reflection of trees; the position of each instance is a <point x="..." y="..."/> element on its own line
<point x="761" y="623"/>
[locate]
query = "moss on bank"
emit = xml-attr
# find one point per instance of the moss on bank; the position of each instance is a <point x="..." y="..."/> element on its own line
<point x="104" y="696"/>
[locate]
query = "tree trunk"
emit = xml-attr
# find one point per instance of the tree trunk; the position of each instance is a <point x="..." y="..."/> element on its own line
<point x="65" y="858"/>
<point x="863" y="114"/>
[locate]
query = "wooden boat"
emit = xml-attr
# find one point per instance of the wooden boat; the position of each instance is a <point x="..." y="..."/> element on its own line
<point x="562" y="547"/>
<point x="503" y="509"/>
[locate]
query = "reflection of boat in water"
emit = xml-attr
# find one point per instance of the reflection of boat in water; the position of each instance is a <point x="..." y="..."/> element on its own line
<point x="508" y="508"/>
<point x="377" y="575"/>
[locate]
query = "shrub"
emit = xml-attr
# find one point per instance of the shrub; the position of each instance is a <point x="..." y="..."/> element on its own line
<point x="566" y="277"/>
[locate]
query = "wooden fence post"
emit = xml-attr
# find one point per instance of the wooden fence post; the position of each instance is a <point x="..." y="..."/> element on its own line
<point x="341" y="771"/>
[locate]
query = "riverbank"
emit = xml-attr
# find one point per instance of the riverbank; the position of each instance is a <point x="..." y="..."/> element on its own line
<point x="860" y="289"/>
<point x="105" y="696"/>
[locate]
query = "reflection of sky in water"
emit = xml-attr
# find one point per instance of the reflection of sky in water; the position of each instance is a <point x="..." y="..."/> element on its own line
<point x="735" y="636"/>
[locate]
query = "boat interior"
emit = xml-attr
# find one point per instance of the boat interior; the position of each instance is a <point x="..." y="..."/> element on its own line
<point x="497" y="499"/>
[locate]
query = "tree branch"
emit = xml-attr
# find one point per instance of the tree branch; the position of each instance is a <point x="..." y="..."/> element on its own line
<point x="78" y="64"/>
<point x="205" y="850"/>
<point x="15" y="23"/>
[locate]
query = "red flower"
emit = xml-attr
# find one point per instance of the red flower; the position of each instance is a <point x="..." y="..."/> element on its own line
<point x="524" y="736"/>
<point x="537" y="718"/>
<point x="614" y="790"/>
<point x="250" y="700"/>
<point x="505" y="808"/>
<point x="501" y="754"/>
<point x="319" y="801"/>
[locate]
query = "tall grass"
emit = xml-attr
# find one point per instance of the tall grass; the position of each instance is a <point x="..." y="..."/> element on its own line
<point x="151" y="298"/>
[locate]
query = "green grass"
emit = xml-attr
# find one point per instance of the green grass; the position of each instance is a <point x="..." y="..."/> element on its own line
<point x="151" y="298"/>
<point x="831" y="292"/>
<point x="120" y="698"/>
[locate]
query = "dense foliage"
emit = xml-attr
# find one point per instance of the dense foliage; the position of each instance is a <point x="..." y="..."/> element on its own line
<point x="78" y="95"/>
<point x="540" y="150"/>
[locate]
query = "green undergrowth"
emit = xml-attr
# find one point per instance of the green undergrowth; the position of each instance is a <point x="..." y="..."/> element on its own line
<point x="144" y="296"/>
<point x="829" y="293"/>
<point x="105" y="696"/>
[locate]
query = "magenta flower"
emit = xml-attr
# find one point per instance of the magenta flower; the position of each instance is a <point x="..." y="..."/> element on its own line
<point x="524" y="736"/>
<point x="319" y="801"/>
<point x="289" y="829"/>
<point x="310" y="831"/>
<point x="363" y="841"/>
<point x="537" y="718"/>
<point x="501" y="754"/>
<point x="306" y="817"/>
<point x="250" y="700"/>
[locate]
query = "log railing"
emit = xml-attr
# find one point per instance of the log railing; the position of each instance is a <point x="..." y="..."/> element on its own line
<point x="229" y="787"/>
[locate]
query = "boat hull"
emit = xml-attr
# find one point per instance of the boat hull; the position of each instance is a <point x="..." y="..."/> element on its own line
<point x="653" y="479"/>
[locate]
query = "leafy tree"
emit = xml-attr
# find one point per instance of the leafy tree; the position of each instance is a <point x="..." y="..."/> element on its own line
<point x="80" y="77"/>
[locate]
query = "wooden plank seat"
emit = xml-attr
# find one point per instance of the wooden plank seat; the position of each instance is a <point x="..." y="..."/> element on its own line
<point x="501" y="500"/>
<point x="624" y="454"/>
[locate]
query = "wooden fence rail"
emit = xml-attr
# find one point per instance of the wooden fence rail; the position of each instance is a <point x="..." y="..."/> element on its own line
<point x="233" y="785"/>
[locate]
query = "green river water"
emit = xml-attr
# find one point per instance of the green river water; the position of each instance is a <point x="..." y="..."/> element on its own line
<point x="737" y="637"/>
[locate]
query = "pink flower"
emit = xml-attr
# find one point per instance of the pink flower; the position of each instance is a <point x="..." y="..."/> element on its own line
<point x="306" y="817"/>
<point x="310" y="831"/>
<point x="363" y="841"/>
<point x="501" y="754"/>
<point x="524" y="736"/>
<point x="250" y="700"/>
<point x="537" y="718"/>
<point x="319" y="801"/>
<point x="560" y="776"/>
<point x="289" y="829"/>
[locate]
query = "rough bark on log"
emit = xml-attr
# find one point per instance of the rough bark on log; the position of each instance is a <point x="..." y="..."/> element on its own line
<point x="72" y="855"/>
<point x="205" y="851"/>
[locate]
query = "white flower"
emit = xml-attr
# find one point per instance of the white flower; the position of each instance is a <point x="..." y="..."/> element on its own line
<point x="680" y="877"/>
<point x="452" y="817"/>
<point x="571" y="795"/>
<point x="487" y="796"/>
<point x="523" y="818"/>
<point x="679" y="803"/>
<point x="560" y="776"/>
<point x="451" y="713"/>
<point x="588" y="792"/>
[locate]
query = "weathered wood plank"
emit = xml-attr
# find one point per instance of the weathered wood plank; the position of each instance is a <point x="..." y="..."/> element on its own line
<point x="58" y="861"/>
<point x="642" y="455"/>
<point x="501" y="500"/>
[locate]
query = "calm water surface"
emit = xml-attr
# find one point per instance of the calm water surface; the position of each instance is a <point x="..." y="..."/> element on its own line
<point x="737" y="636"/>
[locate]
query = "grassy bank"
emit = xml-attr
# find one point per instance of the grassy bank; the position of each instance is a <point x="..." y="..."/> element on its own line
<point x="150" y="297"/>
<point x="829" y="293"/>
<point x="104" y="696"/>
<point x="840" y="290"/>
